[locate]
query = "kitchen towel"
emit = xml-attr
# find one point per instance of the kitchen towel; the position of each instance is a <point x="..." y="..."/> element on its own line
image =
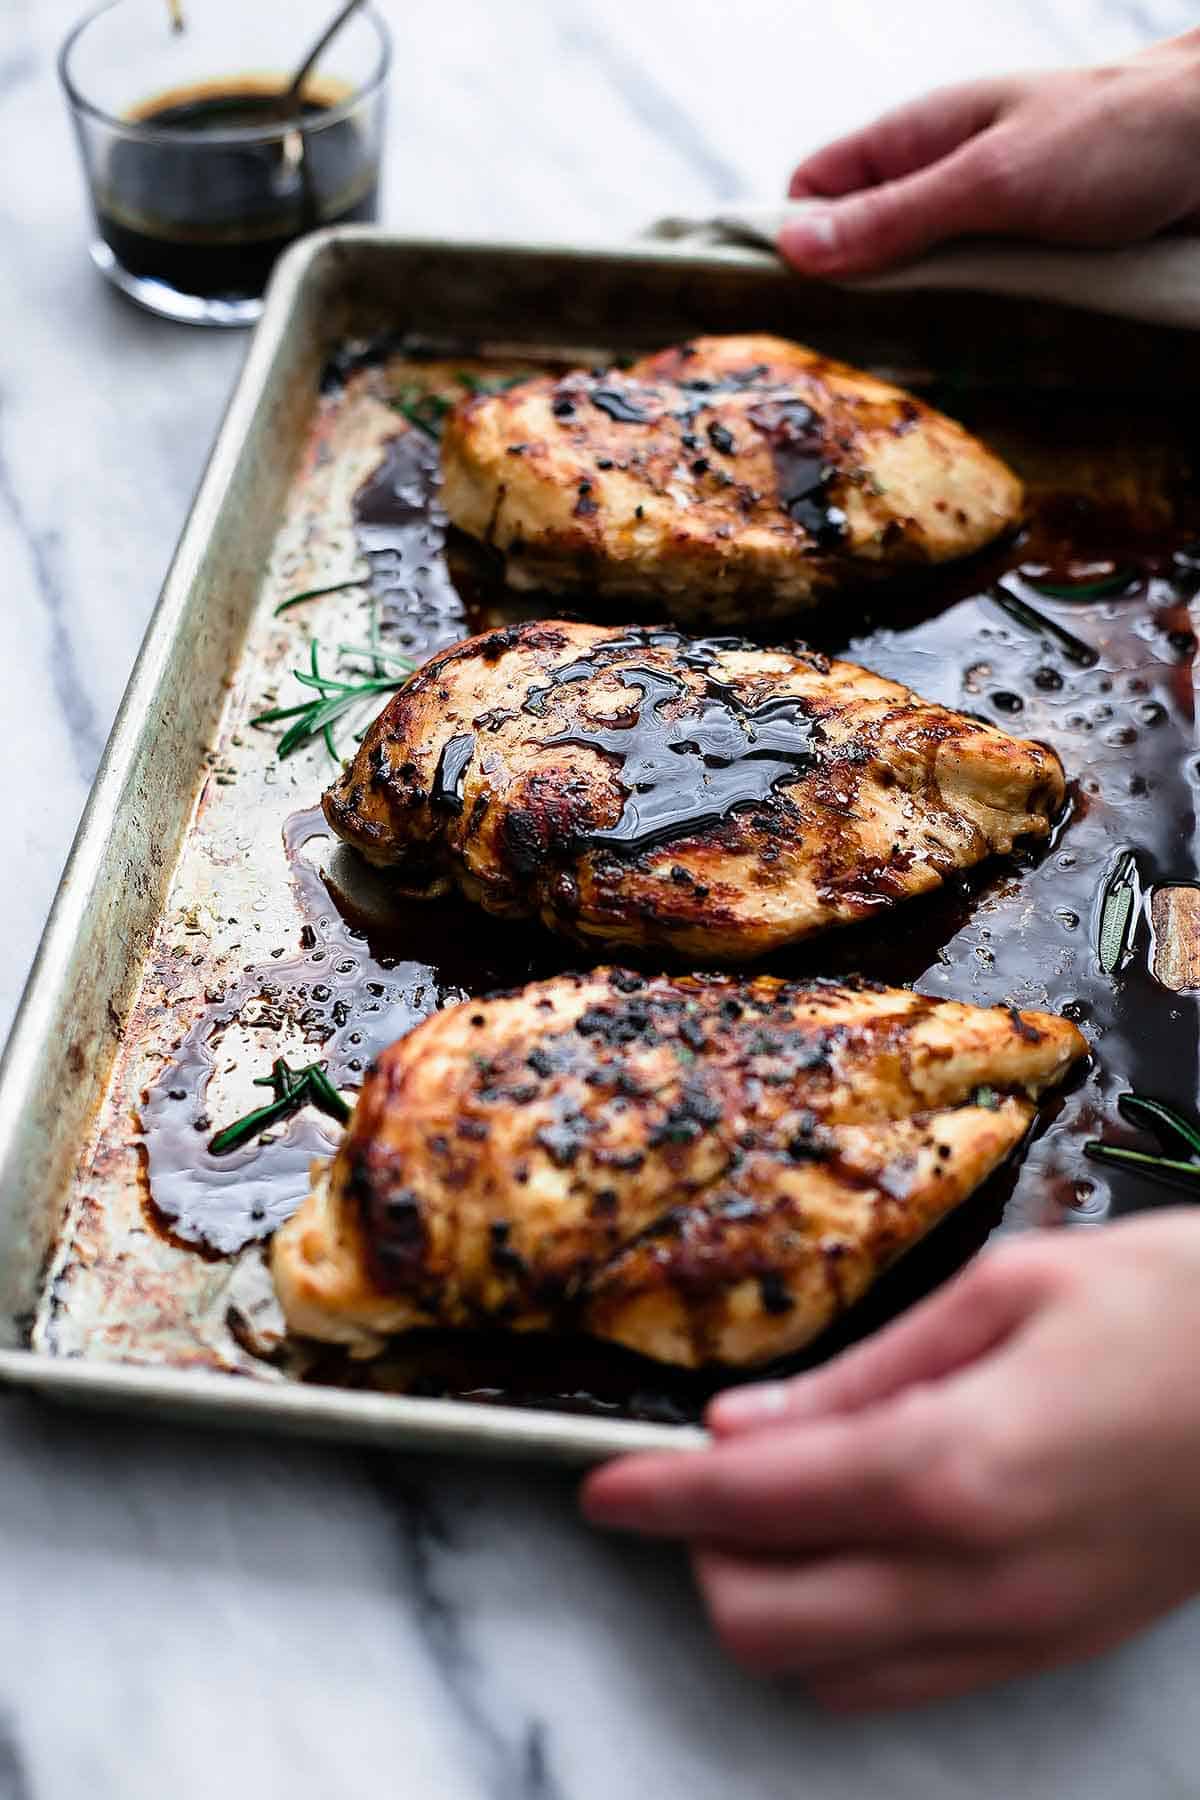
<point x="1158" y="281"/>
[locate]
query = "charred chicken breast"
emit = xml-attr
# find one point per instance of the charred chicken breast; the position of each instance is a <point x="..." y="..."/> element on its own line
<point x="721" y="469"/>
<point x="701" y="1168"/>
<point x="643" y="787"/>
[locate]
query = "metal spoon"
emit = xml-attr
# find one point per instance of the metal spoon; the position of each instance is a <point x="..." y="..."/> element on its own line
<point x="289" y="99"/>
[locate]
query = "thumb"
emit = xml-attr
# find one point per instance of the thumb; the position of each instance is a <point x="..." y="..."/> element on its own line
<point x="862" y="233"/>
<point x="963" y="1321"/>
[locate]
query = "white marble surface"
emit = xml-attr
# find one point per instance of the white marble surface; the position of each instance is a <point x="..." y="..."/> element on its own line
<point x="194" y="1615"/>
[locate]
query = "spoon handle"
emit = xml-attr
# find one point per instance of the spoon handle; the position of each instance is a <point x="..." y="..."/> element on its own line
<point x="318" y="49"/>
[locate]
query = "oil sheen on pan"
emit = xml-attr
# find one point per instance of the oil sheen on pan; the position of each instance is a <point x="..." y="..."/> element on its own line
<point x="1078" y="633"/>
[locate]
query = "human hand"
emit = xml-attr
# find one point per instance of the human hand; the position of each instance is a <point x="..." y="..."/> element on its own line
<point x="1004" y="1479"/>
<point x="1103" y="156"/>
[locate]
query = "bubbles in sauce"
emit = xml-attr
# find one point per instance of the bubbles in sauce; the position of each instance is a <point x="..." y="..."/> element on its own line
<point x="338" y="1000"/>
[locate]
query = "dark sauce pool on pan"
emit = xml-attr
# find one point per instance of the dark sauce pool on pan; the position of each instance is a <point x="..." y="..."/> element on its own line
<point x="1022" y="931"/>
<point x="210" y="216"/>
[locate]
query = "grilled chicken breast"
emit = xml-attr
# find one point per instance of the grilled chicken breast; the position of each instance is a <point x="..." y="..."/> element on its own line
<point x="719" y="470"/>
<point x="701" y="1168"/>
<point x="643" y="787"/>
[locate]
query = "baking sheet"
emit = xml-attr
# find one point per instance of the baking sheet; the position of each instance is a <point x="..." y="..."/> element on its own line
<point x="180" y="882"/>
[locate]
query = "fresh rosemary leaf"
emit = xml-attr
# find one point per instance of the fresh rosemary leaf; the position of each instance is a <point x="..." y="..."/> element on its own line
<point x="1114" y="928"/>
<point x="282" y="1079"/>
<point x="281" y="712"/>
<point x="323" y="1094"/>
<point x="1116" y="914"/>
<point x="1173" y="1131"/>
<point x="312" y="723"/>
<point x="337" y="587"/>
<point x="323" y="683"/>
<point x="372" y="653"/>
<point x="1085" y="590"/>
<point x="242" y="1130"/>
<point x="1072" y="647"/>
<point x="1155" y="1168"/>
<point x="425" y="411"/>
<point x="488" y="384"/>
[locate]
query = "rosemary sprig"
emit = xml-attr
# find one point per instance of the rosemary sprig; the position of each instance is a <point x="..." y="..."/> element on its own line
<point x="1072" y="647"/>
<point x="293" y="1089"/>
<point x="1117" y="914"/>
<point x="1172" y="1129"/>
<point x="316" y="718"/>
<point x="427" y="410"/>
<point x="336" y="587"/>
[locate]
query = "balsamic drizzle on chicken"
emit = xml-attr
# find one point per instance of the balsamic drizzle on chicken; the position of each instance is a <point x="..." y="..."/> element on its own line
<point x="639" y="786"/>
<point x="715" y="471"/>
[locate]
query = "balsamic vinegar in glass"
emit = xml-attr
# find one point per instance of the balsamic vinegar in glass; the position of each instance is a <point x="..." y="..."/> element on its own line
<point x="206" y="201"/>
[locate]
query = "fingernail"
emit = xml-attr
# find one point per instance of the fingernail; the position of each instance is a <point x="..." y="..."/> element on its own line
<point x="810" y="236"/>
<point x="749" y="1405"/>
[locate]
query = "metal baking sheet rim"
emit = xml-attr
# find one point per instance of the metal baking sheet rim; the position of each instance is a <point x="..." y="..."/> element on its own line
<point x="449" y="1426"/>
<point x="41" y="1139"/>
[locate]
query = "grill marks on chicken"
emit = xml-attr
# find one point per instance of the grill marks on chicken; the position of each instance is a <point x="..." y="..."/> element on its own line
<point x="648" y="788"/>
<point x="700" y="1168"/>
<point x="718" y="470"/>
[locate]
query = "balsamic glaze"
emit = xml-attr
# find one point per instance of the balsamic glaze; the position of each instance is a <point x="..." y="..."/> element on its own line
<point x="693" y="653"/>
<point x="341" y="1001"/>
<point x="220" y="1203"/>
<point x="619" y="406"/>
<point x="804" y="457"/>
<point x="401" y="531"/>
<point x="210" y="216"/>
<point x="344" y="999"/>
<point x="802" y="467"/>
<point x="1020" y="931"/>
<point x="684" y="772"/>
<point x="451" y="772"/>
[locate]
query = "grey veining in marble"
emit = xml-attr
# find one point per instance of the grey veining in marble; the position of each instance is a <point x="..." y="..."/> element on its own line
<point x="197" y="1615"/>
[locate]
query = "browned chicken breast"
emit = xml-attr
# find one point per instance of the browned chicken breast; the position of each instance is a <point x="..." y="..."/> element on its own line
<point x="701" y="1168"/>
<point x="643" y="787"/>
<point x="725" y="468"/>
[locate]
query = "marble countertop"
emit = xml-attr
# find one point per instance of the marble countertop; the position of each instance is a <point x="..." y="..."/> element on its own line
<point x="194" y="1614"/>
